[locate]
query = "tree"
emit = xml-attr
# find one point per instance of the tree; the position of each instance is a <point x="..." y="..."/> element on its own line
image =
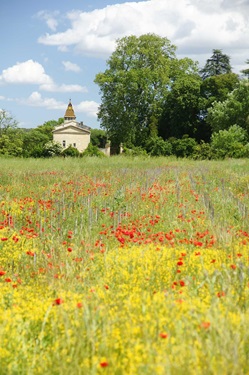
<point x="10" y="135"/>
<point x="98" y="138"/>
<point x="217" y="64"/>
<point x="234" y="110"/>
<point x="134" y="86"/>
<point x="6" y="122"/>
<point x="214" y="88"/>
<point x="182" y="104"/>
<point x="245" y="72"/>
<point x="35" y="140"/>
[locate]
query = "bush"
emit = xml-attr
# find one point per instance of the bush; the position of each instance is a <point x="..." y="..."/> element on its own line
<point x="134" y="151"/>
<point x="229" y="143"/>
<point x="156" y="146"/>
<point x="50" y="149"/>
<point x="202" y="151"/>
<point x="92" y="150"/>
<point x="184" y="147"/>
<point x="71" y="151"/>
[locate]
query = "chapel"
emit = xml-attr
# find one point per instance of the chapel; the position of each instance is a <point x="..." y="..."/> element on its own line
<point x="71" y="132"/>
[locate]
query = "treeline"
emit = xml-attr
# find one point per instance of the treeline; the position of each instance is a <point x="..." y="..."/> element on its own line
<point x="155" y="103"/>
<point x="38" y="142"/>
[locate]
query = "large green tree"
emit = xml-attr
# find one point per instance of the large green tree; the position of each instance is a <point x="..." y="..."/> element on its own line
<point x="134" y="86"/>
<point x="218" y="63"/>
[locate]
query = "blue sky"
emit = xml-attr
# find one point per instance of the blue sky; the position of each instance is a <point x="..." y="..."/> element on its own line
<point x="52" y="50"/>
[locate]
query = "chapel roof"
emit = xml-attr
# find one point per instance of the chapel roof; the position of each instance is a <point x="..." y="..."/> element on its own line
<point x="69" y="114"/>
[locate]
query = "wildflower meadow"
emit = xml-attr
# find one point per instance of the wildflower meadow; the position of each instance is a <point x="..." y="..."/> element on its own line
<point x="124" y="266"/>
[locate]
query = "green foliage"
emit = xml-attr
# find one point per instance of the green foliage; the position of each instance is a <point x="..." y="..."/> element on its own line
<point x="33" y="143"/>
<point x="202" y="151"/>
<point x="230" y="143"/>
<point x="98" y="138"/>
<point x="245" y="72"/>
<point x="217" y="64"/>
<point x="234" y="110"/>
<point x="92" y="150"/>
<point x="184" y="147"/>
<point x="7" y="122"/>
<point x="11" y="144"/>
<point x="134" y="151"/>
<point x="51" y="149"/>
<point x="182" y="106"/>
<point x="71" y="151"/>
<point x="216" y="88"/>
<point x="156" y="146"/>
<point x="134" y="87"/>
<point x="10" y="135"/>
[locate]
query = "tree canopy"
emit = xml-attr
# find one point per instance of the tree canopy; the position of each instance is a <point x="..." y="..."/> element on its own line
<point x="134" y="86"/>
<point x="232" y="111"/>
<point x="218" y="63"/>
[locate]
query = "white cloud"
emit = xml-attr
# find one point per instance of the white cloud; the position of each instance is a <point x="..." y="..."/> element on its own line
<point x="28" y="72"/>
<point x="89" y="108"/>
<point x="36" y="100"/>
<point x="63" y="88"/>
<point x="69" y="66"/>
<point x="32" y="72"/>
<point x="194" y="26"/>
<point x="51" y="19"/>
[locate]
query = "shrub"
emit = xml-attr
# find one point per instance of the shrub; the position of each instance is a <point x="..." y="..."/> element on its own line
<point x="71" y="151"/>
<point x="184" y="147"/>
<point x="202" y="151"/>
<point x="92" y="150"/>
<point x="50" y="149"/>
<point x="229" y="143"/>
<point x="156" y="146"/>
<point x="134" y="151"/>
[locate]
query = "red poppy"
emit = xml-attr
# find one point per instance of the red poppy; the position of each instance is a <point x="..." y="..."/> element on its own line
<point x="2" y="273"/>
<point x="221" y="294"/>
<point x="8" y="280"/>
<point x="205" y="325"/>
<point x="58" y="301"/>
<point x="163" y="335"/>
<point x="79" y="305"/>
<point x="30" y="253"/>
<point x="104" y="364"/>
<point x="182" y="283"/>
<point x="233" y="266"/>
<point x="180" y="263"/>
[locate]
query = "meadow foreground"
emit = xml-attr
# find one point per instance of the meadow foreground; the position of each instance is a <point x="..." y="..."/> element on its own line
<point x="124" y="266"/>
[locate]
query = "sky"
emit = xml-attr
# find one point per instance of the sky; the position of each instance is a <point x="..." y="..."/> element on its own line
<point x="51" y="50"/>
